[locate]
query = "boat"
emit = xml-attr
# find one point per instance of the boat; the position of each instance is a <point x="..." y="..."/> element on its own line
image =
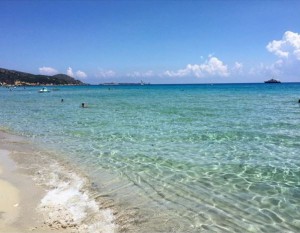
<point x="43" y="90"/>
<point x="272" y="81"/>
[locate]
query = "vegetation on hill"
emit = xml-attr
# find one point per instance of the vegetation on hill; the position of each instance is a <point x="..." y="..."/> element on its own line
<point x="12" y="77"/>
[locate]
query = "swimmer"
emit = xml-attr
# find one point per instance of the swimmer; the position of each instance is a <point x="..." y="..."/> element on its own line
<point x="84" y="105"/>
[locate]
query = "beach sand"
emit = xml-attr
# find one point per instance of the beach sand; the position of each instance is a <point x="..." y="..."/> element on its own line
<point x="18" y="198"/>
<point x="34" y="199"/>
<point x="9" y="203"/>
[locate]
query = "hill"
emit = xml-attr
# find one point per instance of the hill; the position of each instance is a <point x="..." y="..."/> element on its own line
<point x="12" y="77"/>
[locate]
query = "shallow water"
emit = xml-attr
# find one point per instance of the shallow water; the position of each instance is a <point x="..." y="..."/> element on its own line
<point x="182" y="158"/>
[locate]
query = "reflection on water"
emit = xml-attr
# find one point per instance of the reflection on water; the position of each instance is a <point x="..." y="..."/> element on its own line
<point x="219" y="158"/>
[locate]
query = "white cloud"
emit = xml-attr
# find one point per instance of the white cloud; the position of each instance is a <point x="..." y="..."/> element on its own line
<point x="288" y="51"/>
<point x="105" y="73"/>
<point x="211" y="67"/>
<point x="288" y="47"/>
<point x="277" y="47"/>
<point x="47" y="70"/>
<point x="80" y="74"/>
<point x="70" y="72"/>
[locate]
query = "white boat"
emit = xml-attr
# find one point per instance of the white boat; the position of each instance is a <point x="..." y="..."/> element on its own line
<point x="43" y="90"/>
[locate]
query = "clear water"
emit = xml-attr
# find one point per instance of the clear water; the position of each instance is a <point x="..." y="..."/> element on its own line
<point x="186" y="158"/>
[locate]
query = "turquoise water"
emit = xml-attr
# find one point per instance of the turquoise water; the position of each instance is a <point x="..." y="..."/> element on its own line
<point x="186" y="158"/>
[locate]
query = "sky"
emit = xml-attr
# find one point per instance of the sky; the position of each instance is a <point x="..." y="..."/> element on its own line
<point x="157" y="41"/>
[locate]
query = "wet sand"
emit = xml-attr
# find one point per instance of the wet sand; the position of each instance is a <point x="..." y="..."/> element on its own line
<point x="18" y="199"/>
<point x="29" y="202"/>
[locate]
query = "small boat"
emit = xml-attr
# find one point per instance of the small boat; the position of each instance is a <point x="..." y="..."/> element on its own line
<point x="272" y="81"/>
<point x="43" y="90"/>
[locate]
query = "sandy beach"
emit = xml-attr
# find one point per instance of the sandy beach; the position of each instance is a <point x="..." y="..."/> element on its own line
<point x="31" y="203"/>
<point x="18" y="199"/>
<point x="9" y="200"/>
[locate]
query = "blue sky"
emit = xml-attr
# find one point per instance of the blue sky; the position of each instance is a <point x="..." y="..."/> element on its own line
<point x="156" y="41"/>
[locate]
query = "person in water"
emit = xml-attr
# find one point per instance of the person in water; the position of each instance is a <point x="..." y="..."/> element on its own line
<point x="84" y="105"/>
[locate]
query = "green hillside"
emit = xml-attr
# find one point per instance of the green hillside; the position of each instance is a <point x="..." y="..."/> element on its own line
<point x="12" y="77"/>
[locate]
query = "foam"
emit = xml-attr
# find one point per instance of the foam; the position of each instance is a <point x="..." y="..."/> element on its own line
<point x="68" y="204"/>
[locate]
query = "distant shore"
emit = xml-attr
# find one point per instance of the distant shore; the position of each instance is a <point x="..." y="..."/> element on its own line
<point x="18" y="78"/>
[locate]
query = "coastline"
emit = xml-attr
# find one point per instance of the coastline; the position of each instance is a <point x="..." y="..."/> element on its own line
<point x="40" y="195"/>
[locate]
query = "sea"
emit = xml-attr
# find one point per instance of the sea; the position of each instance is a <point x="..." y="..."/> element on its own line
<point x="177" y="158"/>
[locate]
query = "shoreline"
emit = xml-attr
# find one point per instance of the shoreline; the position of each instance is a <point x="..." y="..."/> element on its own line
<point x="41" y="195"/>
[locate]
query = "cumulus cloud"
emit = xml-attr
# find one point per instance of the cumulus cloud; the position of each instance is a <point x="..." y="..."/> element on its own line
<point x="277" y="47"/>
<point x="288" y="47"/>
<point x="47" y="70"/>
<point x="80" y="74"/>
<point x="70" y="72"/>
<point x="288" y="52"/>
<point x="211" y="67"/>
